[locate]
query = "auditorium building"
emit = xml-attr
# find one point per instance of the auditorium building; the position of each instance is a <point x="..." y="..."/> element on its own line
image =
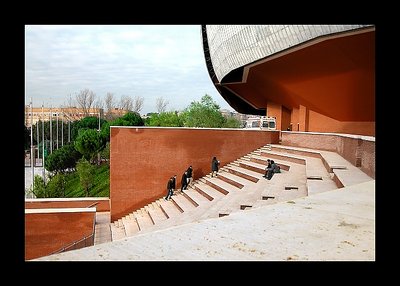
<point x="317" y="78"/>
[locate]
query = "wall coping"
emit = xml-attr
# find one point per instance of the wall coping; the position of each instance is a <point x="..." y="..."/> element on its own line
<point x="195" y="128"/>
<point x="60" y="210"/>
<point x="65" y="199"/>
<point x="354" y="136"/>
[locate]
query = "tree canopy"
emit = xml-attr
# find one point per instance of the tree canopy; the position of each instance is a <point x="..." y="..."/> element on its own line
<point x="203" y="114"/>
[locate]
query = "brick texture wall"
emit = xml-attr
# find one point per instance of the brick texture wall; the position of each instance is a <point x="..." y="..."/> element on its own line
<point x="143" y="159"/>
<point x="49" y="232"/>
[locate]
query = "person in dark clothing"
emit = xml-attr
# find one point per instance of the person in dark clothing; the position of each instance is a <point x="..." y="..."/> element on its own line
<point x="184" y="182"/>
<point x="169" y="188"/>
<point x="268" y="167"/>
<point x="214" y="166"/>
<point x="271" y="170"/>
<point x="173" y="184"/>
<point x="189" y="174"/>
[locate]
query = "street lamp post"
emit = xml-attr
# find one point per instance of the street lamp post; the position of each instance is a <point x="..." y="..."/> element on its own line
<point x="32" y="156"/>
<point x="57" y="128"/>
<point x="62" y="129"/>
<point x="37" y="137"/>
<point x="44" y="174"/>
<point x="51" y="130"/>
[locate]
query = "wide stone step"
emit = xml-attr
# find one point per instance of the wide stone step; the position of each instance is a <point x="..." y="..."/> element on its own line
<point x="264" y="161"/>
<point x="296" y="151"/>
<point x="168" y="208"/>
<point x="143" y="219"/>
<point x="208" y="192"/>
<point x="282" y="156"/>
<point x="243" y="173"/>
<point x="233" y="179"/>
<point x="183" y="203"/>
<point x="221" y="186"/>
<point x="117" y="232"/>
<point x="156" y="214"/>
<point x="131" y="227"/>
<point x="255" y="167"/>
<point x="196" y="197"/>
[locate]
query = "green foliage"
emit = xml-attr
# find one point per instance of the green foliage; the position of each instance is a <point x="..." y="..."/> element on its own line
<point x="105" y="153"/>
<point x="89" y="122"/>
<point x="166" y="119"/>
<point x="56" y="186"/>
<point x="129" y="119"/>
<point x="105" y="131"/>
<point x="86" y="174"/>
<point x="62" y="159"/>
<point x="232" y="122"/>
<point x="39" y="188"/>
<point x="89" y="142"/>
<point x="100" y="187"/>
<point x="203" y="114"/>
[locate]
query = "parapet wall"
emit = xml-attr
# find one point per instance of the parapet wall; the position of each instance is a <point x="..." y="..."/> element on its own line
<point x="48" y="230"/>
<point x="358" y="150"/>
<point x="142" y="159"/>
<point x="101" y="204"/>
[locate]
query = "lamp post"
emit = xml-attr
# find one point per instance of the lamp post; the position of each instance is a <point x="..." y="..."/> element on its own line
<point x="57" y="128"/>
<point x="32" y="156"/>
<point x="44" y="174"/>
<point x="37" y="137"/>
<point x="62" y="129"/>
<point x="51" y="130"/>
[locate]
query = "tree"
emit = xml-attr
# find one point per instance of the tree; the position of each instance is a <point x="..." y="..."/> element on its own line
<point x="166" y="119"/>
<point x="203" y="114"/>
<point x="137" y="104"/>
<point x="62" y="159"/>
<point x="232" y="122"/>
<point x="85" y="99"/>
<point x="105" y="153"/>
<point x="161" y="104"/>
<point x="126" y="103"/>
<point x="55" y="188"/>
<point x="39" y="187"/>
<point x="129" y="119"/>
<point x="110" y="105"/>
<point x="89" y="142"/>
<point x="86" y="173"/>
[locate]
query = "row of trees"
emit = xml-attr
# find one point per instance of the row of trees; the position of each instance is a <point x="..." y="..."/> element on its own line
<point x="203" y="113"/>
<point x="89" y="145"/>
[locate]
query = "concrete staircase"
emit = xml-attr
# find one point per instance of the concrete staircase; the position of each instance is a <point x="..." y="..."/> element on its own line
<point x="240" y="186"/>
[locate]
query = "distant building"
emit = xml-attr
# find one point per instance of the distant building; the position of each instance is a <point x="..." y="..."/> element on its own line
<point x="67" y="113"/>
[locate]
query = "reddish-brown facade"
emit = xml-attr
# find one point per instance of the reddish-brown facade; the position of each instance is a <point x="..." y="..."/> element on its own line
<point x="101" y="205"/>
<point x="358" y="150"/>
<point x="325" y="85"/>
<point x="46" y="233"/>
<point x="143" y="159"/>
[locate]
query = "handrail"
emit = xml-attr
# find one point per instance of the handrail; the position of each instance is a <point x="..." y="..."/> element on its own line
<point x="85" y="238"/>
<point x="92" y="205"/>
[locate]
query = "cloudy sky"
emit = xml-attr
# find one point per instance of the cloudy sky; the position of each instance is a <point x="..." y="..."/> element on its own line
<point x="133" y="60"/>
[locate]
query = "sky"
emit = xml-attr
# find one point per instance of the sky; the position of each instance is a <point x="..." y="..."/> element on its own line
<point x="131" y="60"/>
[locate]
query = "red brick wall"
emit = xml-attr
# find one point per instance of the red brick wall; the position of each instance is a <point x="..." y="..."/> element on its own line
<point x="321" y="123"/>
<point x="359" y="152"/>
<point x="143" y="159"/>
<point x="367" y="153"/>
<point x="102" y="206"/>
<point x="48" y="232"/>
